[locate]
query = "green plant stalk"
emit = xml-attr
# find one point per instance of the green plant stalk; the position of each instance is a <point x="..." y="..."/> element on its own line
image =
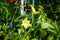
<point x="6" y="28"/>
<point x="28" y="32"/>
<point x="32" y="19"/>
<point x="6" y="16"/>
<point x="14" y="15"/>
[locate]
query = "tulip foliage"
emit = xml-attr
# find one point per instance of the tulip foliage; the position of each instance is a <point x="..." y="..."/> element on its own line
<point x="40" y="22"/>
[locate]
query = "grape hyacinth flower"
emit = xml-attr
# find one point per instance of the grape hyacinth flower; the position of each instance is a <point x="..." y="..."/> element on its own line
<point x="10" y="25"/>
<point x="9" y="35"/>
<point x="39" y="39"/>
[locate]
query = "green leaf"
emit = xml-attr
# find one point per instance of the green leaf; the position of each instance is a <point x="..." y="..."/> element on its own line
<point x="46" y="25"/>
<point x="34" y="39"/>
<point x="50" y="37"/>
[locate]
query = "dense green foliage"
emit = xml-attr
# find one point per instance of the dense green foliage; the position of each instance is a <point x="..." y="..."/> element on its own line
<point x="45" y="22"/>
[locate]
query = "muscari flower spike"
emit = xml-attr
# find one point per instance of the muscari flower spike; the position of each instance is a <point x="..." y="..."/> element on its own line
<point x="39" y="39"/>
<point x="10" y="25"/>
<point x="9" y="35"/>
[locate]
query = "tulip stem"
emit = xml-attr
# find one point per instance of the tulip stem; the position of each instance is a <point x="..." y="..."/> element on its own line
<point x="14" y="15"/>
<point x="32" y="19"/>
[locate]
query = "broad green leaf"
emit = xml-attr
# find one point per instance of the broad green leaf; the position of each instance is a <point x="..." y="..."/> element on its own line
<point x="50" y="37"/>
<point x="46" y="25"/>
<point x="34" y="39"/>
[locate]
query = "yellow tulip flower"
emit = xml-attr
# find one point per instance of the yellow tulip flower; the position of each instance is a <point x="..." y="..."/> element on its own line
<point x="33" y="9"/>
<point x="26" y="23"/>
